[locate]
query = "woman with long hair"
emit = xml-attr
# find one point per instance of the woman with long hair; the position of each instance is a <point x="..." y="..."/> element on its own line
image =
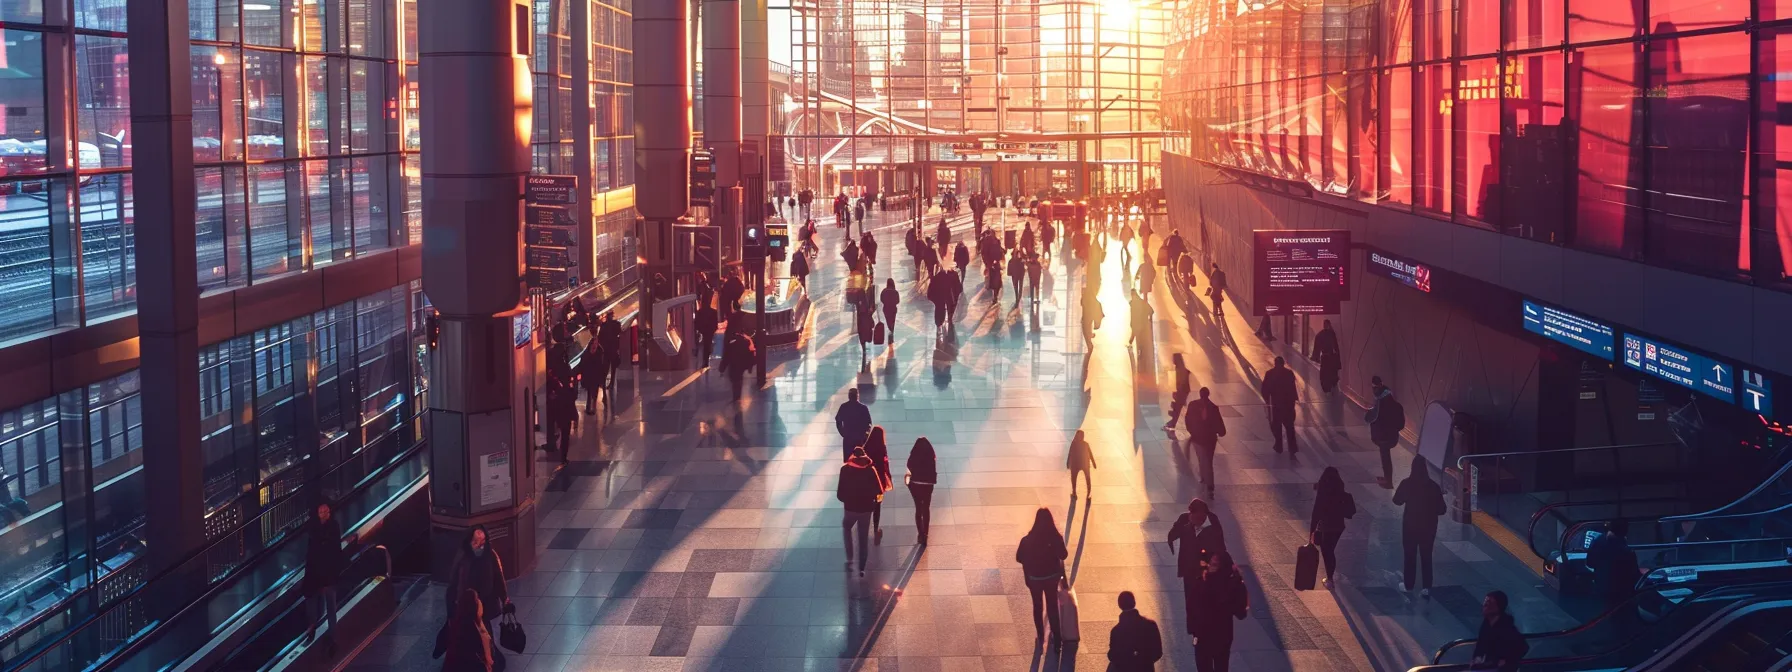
<point x="878" y="449"/>
<point x="469" y="643"/>
<point x="1331" y="506"/>
<point x="923" y="474"/>
<point x="1041" y="556"/>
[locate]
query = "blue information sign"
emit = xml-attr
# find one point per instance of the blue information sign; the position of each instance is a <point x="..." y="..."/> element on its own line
<point x="1577" y="331"/>
<point x="1680" y="366"/>
<point x="1757" y="393"/>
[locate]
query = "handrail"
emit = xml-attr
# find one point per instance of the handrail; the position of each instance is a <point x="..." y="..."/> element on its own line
<point x="1537" y="517"/>
<point x="1708" y="593"/>
<point x="1462" y="462"/>
<point x="385" y="556"/>
<point x="44" y="648"/>
<point x="1719" y="511"/>
<point x="1727" y="516"/>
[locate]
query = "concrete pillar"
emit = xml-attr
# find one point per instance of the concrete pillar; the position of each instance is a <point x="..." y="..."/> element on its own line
<point x="167" y="284"/>
<point x="755" y="74"/>
<point x="474" y="56"/>
<point x="662" y="135"/>
<point x="722" y="87"/>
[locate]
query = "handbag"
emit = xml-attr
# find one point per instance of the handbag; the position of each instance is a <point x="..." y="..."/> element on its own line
<point x="510" y="632"/>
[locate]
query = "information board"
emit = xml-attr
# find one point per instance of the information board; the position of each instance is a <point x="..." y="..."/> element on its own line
<point x="551" y="189"/>
<point x="551" y="230"/>
<point x="1681" y="366"/>
<point x="1577" y="331"/>
<point x="1300" y="272"/>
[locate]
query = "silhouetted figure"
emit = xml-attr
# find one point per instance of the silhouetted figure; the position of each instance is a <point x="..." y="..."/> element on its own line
<point x="1385" y="420"/>
<point x="465" y="640"/>
<point x="1081" y="460"/>
<point x="324" y="561"/>
<point x="1279" y="389"/>
<point x="853" y="421"/>
<point x="1219" y="598"/>
<point x="1424" y="502"/>
<point x="704" y="323"/>
<point x="478" y="569"/>
<point x="1498" y="645"/>
<point x="594" y="371"/>
<point x="1041" y="556"/>
<point x="890" y="299"/>
<point x="858" y="492"/>
<point x="1205" y="427"/>
<point x="1135" y="644"/>
<point x="1325" y="351"/>
<point x="1332" y="505"/>
<point x="923" y="475"/>
<point x="878" y="450"/>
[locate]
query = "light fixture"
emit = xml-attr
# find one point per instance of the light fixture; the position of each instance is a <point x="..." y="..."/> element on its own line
<point x="256" y="7"/>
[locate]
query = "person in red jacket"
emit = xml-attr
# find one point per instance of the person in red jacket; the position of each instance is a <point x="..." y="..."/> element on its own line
<point x="859" y="491"/>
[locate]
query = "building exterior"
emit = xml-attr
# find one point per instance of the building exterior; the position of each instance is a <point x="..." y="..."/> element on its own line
<point x="885" y="91"/>
<point x="314" y="332"/>
<point x="1619" y="161"/>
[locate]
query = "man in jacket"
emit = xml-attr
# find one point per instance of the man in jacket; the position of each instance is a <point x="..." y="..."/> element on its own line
<point x="1201" y="536"/>
<point x="853" y="421"/>
<point x="1179" y="398"/>
<point x="739" y="354"/>
<point x="705" y="323"/>
<point x="1325" y="351"/>
<point x="1216" y="290"/>
<point x="1386" y="420"/>
<point x="1279" y="389"/>
<point x="609" y="335"/>
<point x="1135" y="644"/>
<point x="1205" y="427"/>
<point x="323" y="563"/>
<point x="858" y="492"/>
<point x="1424" y="502"/>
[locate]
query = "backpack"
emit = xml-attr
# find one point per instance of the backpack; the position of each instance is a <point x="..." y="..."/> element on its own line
<point x="1393" y="414"/>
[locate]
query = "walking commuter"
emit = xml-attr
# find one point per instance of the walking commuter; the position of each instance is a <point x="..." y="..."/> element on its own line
<point x="732" y="289"/>
<point x="890" y="299"/>
<point x="1280" y="390"/>
<point x="1613" y="563"/>
<point x="866" y="325"/>
<point x="1126" y="247"/>
<point x="1498" y="645"/>
<point x="1386" y="420"/>
<point x="961" y="257"/>
<point x="923" y="474"/>
<point x="324" y="560"/>
<point x="799" y="268"/>
<point x="1219" y="599"/>
<point x="739" y="354"/>
<point x="594" y="369"/>
<point x="1201" y="536"/>
<point x="466" y="642"/>
<point x="1027" y="241"/>
<point x="1424" y="502"/>
<point x="943" y="238"/>
<point x="1081" y="460"/>
<point x="878" y="449"/>
<point x="942" y="290"/>
<point x="868" y="246"/>
<point x="609" y="335"/>
<point x="1041" y="556"/>
<point x="1092" y="314"/>
<point x="859" y="492"/>
<point x="1135" y="644"/>
<point x="1017" y="270"/>
<point x="1035" y="270"/>
<point x="705" y="322"/>
<point x="1332" y="505"/>
<point x="562" y="411"/>
<point x="1146" y="277"/>
<point x="1047" y="234"/>
<point x="1325" y="351"/>
<point x="479" y="569"/>
<point x="858" y="215"/>
<point x="1141" y="319"/>
<point x="1205" y="427"/>
<point x="1179" y="398"/>
<point x="1216" y="290"/>
<point x="853" y="421"/>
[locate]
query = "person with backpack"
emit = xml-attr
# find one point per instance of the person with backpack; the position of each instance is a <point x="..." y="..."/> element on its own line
<point x="1332" y="505"/>
<point x="1386" y="420"/>
<point x="1424" y="502"/>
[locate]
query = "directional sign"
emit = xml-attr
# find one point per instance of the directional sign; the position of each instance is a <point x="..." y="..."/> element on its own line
<point x="550" y="257"/>
<point x="1578" y="331"/>
<point x="551" y="189"/>
<point x="1680" y="366"/>
<point x="547" y="215"/>
<point x="560" y="236"/>
<point x="1757" y="393"/>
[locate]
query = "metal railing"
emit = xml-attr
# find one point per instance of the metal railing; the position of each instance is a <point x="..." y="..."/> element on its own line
<point x="1563" y="540"/>
<point x="1510" y="486"/>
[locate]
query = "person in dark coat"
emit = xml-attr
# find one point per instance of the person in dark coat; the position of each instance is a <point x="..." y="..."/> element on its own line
<point x="923" y="475"/>
<point x="1325" y="351"/>
<point x="1017" y="270"/>
<point x="739" y="354"/>
<point x="858" y="492"/>
<point x="609" y="334"/>
<point x="466" y="640"/>
<point x="878" y="449"/>
<point x="1041" y="556"/>
<point x="1179" y="398"/>
<point x="1332" y="504"/>
<point x="1499" y="645"/>
<point x="799" y="268"/>
<point x="866" y="325"/>
<point x="480" y="570"/>
<point x="324" y="561"/>
<point x="868" y="246"/>
<point x="1385" y="420"/>
<point x="1047" y="234"/>
<point x="1279" y="389"/>
<point x="1035" y="271"/>
<point x="594" y="368"/>
<point x="730" y="294"/>
<point x="1219" y="598"/>
<point x="1205" y="427"/>
<point x="705" y="323"/>
<point x="1081" y="460"/>
<point x="940" y="290"/>
<point x="1424" y="502"/>
<point x="561" y="410"/>
<point x="853" y="421"/>
<point x="943" y="237"/>
<point x="961" y="257"/>
<point x="1135" y="644"/>
<point x="1201" y="536"/>
<point x="891" y="299"/>
<point x="1216" y="290"/>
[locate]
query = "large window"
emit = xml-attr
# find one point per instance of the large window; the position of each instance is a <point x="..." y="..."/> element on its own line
<point x="1698" y="136"/>
<point x="1535" y="144"/>
<point x="1608" y="195"/>
<point x="1478" y="141"/>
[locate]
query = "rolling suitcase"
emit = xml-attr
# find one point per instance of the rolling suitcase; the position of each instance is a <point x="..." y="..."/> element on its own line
<point x="877" y="334"/>
<point x="1069" y="629"/>
<point x="1306" y="567"/>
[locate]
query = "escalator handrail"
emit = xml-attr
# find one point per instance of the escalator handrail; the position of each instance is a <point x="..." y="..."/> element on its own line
<point x="1721" y="617"/>
<point x="1462" y="462"/>
<point x="1719" y="511"/>
<point x="1531" y="530"/>
<point x="1725" y="516"/>
<point x="1711" y="628"/>
<point x="1628" y="603"/>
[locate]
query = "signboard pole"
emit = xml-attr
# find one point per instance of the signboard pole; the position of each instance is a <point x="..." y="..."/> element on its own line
<point x="759" y="311"/>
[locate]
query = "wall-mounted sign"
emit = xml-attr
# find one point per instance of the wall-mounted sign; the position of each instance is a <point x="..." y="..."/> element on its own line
<point x="1757" y="393"/>
<point x="522" y="327"/>
<point x="1577" y="331"/>
<point x="547" y="215"/>
<point x="1300" y="272"/>
<point x="559" y="236"/>
<point x="1680" y="366"/>
<point x="551" y="189"/>
<point x="1404" y="271"/>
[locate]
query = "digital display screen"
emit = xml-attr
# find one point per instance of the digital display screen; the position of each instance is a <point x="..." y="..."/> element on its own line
<point x="1404" y="271"/>
<point x="522" y="327"/>
<point x="1680" y="366"/>
<point x="1577" y="331"/>
<point x="1300" y="271"/>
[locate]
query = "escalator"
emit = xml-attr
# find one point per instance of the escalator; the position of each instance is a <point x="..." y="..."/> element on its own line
<point x="1758" y="638"/>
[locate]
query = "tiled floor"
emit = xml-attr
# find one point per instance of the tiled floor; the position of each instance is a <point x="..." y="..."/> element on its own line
<point x="690" y="535"/>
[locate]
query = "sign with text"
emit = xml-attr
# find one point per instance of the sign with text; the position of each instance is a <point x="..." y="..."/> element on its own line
<point x="1680" y="366"/>
<point x="1757" y="393"/>
<point x="547" y="215"/>
<point x="1300" y="272"/>
<point x="558" y="236"/>
<point x="1404" y="271"/>
<point x="551" y="189"/>
<point x="551" y="230"/>
<point x="1576" y="331"/>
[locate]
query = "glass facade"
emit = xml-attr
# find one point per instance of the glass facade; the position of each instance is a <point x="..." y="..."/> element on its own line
<point x="871" y="78"/>
<point x="312" y="407"/>
<point x="1592" y="124"/>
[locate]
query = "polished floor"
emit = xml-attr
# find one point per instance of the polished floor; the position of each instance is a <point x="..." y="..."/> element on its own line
<point x="692" y="535"/>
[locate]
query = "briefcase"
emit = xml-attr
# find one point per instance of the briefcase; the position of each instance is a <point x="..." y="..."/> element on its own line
<point x="1306" y="567"/>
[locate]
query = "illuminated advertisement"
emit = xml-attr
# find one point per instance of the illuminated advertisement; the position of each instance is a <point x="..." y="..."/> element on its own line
<point x="1576" y="331"/>
<point x="1300" y="272"/>
<point x="1406" y="272"/>
<point x="1680" y="366"/>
